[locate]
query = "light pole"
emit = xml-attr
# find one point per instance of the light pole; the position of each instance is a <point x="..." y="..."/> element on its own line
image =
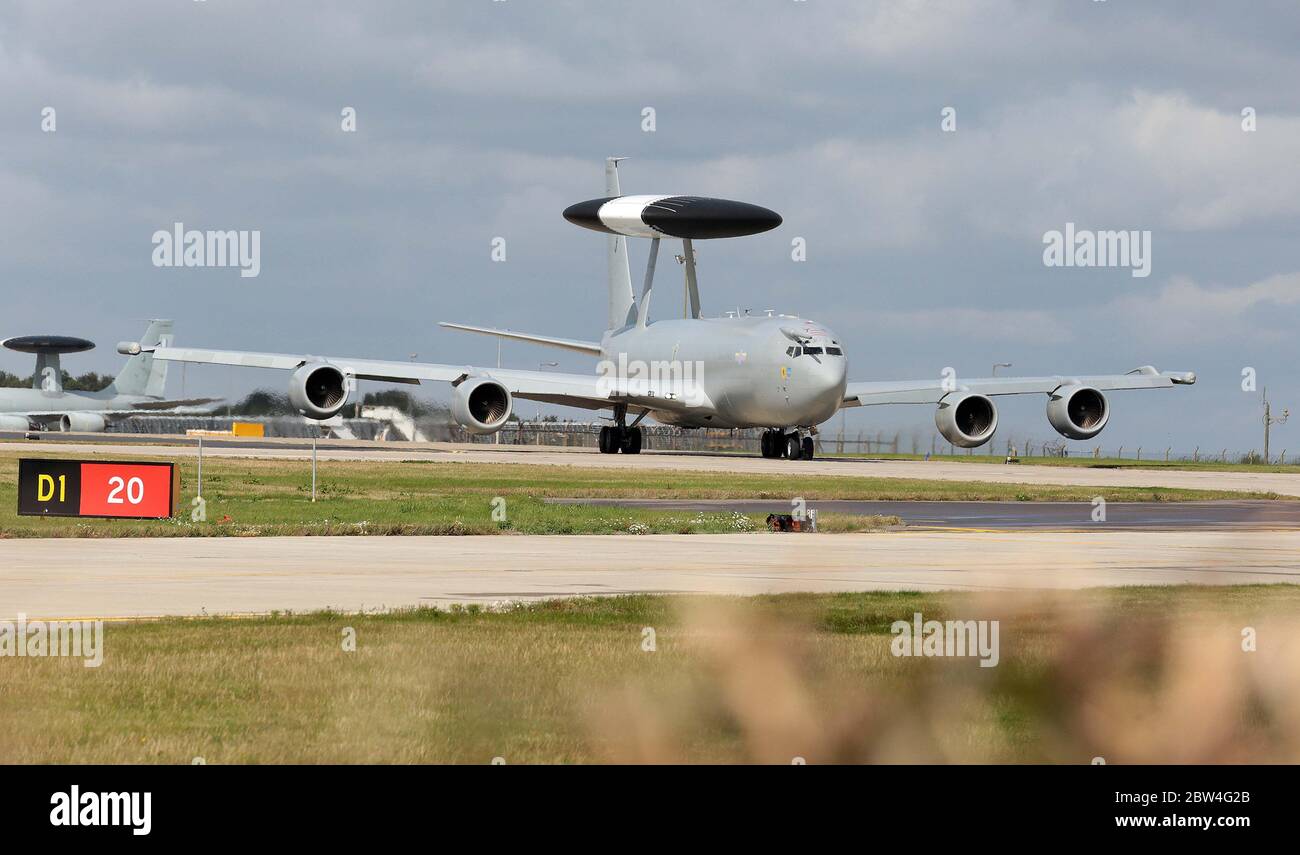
<point x="411" y="398"/>
<point x="996" y="366"/>
<point x="544" y="366"/>
<point x="1270" y="420"/>
<point x="496" y="437"/>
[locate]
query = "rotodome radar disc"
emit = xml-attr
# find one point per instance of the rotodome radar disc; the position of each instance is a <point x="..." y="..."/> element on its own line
<point x="695" y="217"/>
<point x="48" y="344"/>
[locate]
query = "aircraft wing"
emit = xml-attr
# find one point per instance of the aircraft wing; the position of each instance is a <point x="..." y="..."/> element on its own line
<point x="589" y="347"/>
<point x="932" y="391"/>
<point x="574" y="390"/>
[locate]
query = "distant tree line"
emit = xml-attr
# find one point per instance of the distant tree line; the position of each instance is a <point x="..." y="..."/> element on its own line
<point x="88" y="382"/>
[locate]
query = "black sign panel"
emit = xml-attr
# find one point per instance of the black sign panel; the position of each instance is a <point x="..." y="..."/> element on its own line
<point x="142" y="490"/>
<point x="49" y="487"/>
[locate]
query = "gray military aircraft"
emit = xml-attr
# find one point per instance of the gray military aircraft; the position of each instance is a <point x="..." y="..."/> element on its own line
<point x="779" y="372"/>
<point x="138" y="387"/>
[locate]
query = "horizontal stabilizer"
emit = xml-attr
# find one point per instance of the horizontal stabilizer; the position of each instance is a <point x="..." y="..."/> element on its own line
<point x="591" y="347"/>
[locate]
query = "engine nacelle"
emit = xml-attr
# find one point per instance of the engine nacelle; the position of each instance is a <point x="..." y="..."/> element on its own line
<point x="318" y="390"/>
<point x="14" y="423"/>
<point x="966" y="419"/>
<point x="481" y="405"/>
<point x="82" y="422"/>
<point x="1078" y="412"/>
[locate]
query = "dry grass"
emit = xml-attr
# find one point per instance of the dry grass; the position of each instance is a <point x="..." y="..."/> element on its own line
<point x="1132" y="675"/>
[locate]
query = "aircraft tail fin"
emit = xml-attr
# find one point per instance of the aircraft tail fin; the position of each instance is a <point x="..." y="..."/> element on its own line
<point x="622" y="308"/>
<point x="142" y="374"/>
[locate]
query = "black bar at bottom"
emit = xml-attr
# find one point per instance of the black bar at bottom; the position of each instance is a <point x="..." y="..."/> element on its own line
<point x="334" y="803"/>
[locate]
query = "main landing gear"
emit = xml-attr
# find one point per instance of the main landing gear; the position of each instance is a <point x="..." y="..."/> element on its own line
<point x="615" y="439"/>
<point x="619" y="436"/>
<point x="793" y="446"/>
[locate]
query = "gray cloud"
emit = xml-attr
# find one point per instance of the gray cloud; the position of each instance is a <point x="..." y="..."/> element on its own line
<point x="479" y="119"/>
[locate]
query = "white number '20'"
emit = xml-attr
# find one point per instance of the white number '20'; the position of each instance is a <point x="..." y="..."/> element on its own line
<point x="134" y="490"/>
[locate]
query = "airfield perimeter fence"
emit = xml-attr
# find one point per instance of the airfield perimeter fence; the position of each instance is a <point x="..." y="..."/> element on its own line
<point x="575" y="434"/>
<point x="285" y="426"/>
<point x="583" y="434"/>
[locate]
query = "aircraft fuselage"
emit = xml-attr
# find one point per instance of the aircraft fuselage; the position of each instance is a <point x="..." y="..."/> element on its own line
<point x="38" y="400"/>
<point x="751" y="371"/>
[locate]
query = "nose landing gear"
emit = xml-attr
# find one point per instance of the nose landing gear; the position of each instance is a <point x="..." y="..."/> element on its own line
<point x="792" y="446"/>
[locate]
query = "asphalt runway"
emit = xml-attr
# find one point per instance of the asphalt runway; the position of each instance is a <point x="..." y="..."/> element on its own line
<point x="1010" y="516"/>
<point x="1286" y="484"/>
<point x="130" y="577"/>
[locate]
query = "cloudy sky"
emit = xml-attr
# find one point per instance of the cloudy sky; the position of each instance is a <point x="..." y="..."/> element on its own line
<point x="477" y="119"/>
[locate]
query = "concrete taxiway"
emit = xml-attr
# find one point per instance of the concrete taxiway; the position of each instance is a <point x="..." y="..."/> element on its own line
<point x="129" y="577"/>
<point x="1008" y="516"/>
<point x="1286" y="484"/>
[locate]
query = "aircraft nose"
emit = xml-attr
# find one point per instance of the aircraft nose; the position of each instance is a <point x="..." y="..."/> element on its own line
<point x="830" y="376"/>
<point x="838" y="374"/>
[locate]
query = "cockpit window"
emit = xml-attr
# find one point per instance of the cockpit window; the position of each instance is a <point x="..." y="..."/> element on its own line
<point x="834" y="351"/>
<point x="813" y="351"/>
<point x="792" y="351"/>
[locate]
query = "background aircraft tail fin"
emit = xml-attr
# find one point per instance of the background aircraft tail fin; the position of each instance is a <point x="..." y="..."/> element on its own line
<point x="142" y="374"/>
<point x="622" y="309"/>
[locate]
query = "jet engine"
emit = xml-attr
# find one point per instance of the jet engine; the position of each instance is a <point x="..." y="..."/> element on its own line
<point x="14" y="423"/>
<point x="966" y="419"/>
<point x="1078" y="412"/>
<point x="318" y="390"/>
<point x="82" y="422"/>
<point x="481" y="405"/>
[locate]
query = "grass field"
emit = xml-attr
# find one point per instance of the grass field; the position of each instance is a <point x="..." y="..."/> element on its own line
<point x="246" y="497"/>
<point x="1131" y="675"/>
